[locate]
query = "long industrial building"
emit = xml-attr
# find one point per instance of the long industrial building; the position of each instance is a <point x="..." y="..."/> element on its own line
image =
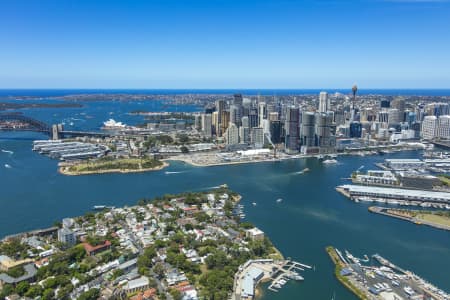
<point x="397" y="194"/>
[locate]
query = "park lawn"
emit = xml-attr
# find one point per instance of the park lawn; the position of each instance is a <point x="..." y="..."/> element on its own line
<point x="443" y="220"/>
<point x="445" y="180"/>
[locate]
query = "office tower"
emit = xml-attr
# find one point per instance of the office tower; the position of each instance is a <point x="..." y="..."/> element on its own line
<point x="253" y="118"/>
<point x="324" y="102"/>
<point x="339" y="117"/>
<point x="274" y="116"/>
<point x="399" y="104"/>
<point x="353" y="109"/>
<point x="257" y="137"/>
<point x="262" y="113"/>
<point x="394" y="116"/>
<point x="437" y="109"/>
<point x="225" y="119"/>
<point x="232" y="134"/>
<point x="270" y="108"/>
<point x="410" y="117"/>
<point x="215" y="122"/>
<point x="307" y="129"/>
<point x="209" y="109"/>
<point x="323" y="130"/>
<point x="383" y="117"/>
<point x="291" y="126"/>
<point x="244" y="135"/>
<point x="220" y="107"/>
<point x="207" y="124"/>
<point x="245" y="122"/>
<point x="429" y="126"/>
<point x="355" y="130"/>
<point x="237" y="100"/>
<point x="384" y="103"/>
<point x="198" y="122"/>
<point x="276" y="131"/>
<point x="235" y="114"/>
<point x="443" y="129"/>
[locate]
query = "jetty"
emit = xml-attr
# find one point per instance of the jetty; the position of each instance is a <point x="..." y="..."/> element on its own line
<point x="285" y="271"/>
<point x="253" y="272"/>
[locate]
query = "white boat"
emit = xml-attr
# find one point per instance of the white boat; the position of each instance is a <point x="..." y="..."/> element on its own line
<point x="254" y="203"/>
<point x="8" y="166"/>
<point x="330" y="161"/>
<point x="277" y="285"/>
<point x="408" y="290"/>
<point x="282" y="281"/>
<point x="99" y="207"/>
<point x="279" y="200"/>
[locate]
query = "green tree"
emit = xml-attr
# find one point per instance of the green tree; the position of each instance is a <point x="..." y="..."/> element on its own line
<point x="34" y="291"/>
<point x="184" y="149"/>
<point x="6" y="290"/>
<point x="92" y="294"/>
<point x="48" y="294"/>
<point x="22" y="287"/>
<point x="159" y="270"/>
<point x="50" y="283"/>
<point x="176" y="294"/>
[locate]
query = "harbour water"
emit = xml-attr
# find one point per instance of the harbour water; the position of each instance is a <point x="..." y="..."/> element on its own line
<point x="311" y="216"/>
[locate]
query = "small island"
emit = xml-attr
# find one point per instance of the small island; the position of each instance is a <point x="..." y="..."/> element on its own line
<point x="112" y="165"/>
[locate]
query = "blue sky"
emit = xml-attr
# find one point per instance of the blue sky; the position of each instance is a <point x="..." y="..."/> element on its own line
<point x="224" y="44"/>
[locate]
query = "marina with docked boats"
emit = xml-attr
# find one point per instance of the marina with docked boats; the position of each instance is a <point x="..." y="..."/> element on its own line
<point x="377" y="278"/>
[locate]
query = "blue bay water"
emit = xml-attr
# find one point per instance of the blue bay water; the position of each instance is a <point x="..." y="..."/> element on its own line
<point x="311" y="216"/>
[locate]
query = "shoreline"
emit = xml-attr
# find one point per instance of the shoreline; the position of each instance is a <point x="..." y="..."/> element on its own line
<point x="64" y="170"/>
<point x="188" y="158"/>
<point x="418" y="221"/>
<point x="344" y="281"/>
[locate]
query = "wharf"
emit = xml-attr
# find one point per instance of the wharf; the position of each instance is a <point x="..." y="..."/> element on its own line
<point x="287" y="271"/>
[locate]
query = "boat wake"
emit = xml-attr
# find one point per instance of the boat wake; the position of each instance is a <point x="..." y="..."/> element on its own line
<point x="174" y="172"/>
<point x="7" y="151"/>
<point x="300" y="172"/>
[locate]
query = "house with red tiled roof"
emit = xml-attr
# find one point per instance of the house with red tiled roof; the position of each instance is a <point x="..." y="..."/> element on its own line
<point x="93" y="250"/>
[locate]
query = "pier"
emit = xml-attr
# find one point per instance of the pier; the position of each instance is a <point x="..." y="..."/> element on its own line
<point x="253" y="272"/>
<point x="286" y="271"/>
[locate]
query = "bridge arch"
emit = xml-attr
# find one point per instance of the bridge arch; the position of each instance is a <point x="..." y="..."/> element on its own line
<point x="31" y="124"/>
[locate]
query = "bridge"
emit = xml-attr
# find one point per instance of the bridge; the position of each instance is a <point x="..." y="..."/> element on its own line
<point x="20" y="122"/>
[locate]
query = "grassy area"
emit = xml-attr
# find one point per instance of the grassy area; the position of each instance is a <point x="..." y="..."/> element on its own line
<point x="445" y="180"/>
<point x="114" y="165"/>
<point x="434" y="218"/>
<point x="337" y="272"/>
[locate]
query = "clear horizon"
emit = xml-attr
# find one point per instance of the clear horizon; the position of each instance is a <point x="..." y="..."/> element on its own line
<point x="199" y="44"/>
